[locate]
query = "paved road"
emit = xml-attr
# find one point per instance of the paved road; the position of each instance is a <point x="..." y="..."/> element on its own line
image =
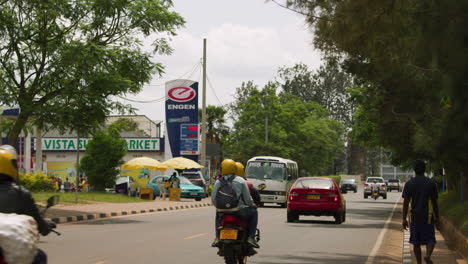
<point x="185" y="236"/>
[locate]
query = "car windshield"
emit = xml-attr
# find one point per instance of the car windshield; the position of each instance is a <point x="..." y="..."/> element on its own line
<point x="266" y="170"/>
<point x="379" y="180"/>
<point x="314" y="184"/>
<point x="184" y="180"/>
<point x="348" y="181"/>
<point x="191" y="176"/>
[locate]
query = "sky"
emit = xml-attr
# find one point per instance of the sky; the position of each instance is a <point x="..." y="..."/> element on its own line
<point x="246" y="40"/>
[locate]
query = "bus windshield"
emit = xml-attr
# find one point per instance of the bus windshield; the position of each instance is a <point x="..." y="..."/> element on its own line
<point x="266" y="170"/>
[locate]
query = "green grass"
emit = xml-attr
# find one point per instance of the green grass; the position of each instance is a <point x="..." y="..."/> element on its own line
<point x="85" y="197"/>
<point x="451" y="208"/>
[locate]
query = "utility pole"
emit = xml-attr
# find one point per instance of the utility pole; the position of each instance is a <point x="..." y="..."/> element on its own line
<point x="203" y="128"/>
<point x="77" y="165"/>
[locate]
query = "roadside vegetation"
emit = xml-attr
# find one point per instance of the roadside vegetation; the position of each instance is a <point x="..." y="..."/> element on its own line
<point x="87" y="197"/>
<point x="451" y="208"/>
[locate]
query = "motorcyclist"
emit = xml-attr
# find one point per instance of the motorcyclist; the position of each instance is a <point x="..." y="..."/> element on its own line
<point x="247" y="208"/>
<point x="375" y="187"/>
<point x="253" y="191"/>
<point x="17" y="199"/>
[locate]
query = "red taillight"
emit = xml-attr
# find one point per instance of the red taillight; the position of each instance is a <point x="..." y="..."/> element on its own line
<point x="383" y="185"/>
<point x="293" y="196"/>
<point x="365" y="184"/>
<point x="334" y="197"/>
<point x="230" y="219"/>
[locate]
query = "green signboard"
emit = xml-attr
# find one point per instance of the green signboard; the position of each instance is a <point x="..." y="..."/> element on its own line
<point x="70" y="144"/>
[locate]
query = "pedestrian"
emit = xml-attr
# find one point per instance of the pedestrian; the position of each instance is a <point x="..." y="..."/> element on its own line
<point x="66" y="185"/>
<point x="163" y="189"/>
<point x="420" y="200"/>
<point x="175" y="182"/>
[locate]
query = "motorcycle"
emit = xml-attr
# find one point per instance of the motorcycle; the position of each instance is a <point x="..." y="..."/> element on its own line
<point x="375" y="193"/>
<point x="53" y="200"/>
<point x="233" y="236"/>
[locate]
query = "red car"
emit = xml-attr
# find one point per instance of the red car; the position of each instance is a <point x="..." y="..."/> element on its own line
<point x="316" y="196"/>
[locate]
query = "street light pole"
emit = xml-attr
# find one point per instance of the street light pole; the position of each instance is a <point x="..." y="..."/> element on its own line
<point x="77" y="165"/>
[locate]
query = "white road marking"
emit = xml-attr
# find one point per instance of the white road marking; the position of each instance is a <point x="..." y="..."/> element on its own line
<point x="195" y="236"/>
<point x="370" y="258"/>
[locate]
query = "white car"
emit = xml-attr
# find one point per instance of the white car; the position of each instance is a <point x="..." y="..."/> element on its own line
<point x="126" y="185"/>
<point x="382" y="186"/>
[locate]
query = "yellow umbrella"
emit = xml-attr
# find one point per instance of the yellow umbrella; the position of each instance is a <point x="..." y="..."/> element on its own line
<point x="181" y="163"/>
<point x="144" y="162"/>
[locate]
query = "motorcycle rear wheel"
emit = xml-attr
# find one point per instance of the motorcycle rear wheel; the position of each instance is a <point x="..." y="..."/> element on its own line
<point x="230" y="256"/>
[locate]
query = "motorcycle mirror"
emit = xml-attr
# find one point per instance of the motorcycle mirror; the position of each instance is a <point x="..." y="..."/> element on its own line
<point x="53" y="200"/>
<point x="262" y="186"/>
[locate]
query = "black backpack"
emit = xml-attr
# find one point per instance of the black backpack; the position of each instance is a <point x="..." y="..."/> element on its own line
<point x="226" y="197"/>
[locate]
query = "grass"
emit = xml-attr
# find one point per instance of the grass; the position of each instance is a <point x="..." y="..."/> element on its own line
<point x="451" y="208"/>
<point x="87" y="197"/>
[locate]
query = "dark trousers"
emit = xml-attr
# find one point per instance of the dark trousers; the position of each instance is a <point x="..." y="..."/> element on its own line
<point x="249" y="214"/>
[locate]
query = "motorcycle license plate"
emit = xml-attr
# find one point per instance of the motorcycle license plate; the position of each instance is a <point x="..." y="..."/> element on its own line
<point x="313" y="196"/>
<point x="230" y="234"/>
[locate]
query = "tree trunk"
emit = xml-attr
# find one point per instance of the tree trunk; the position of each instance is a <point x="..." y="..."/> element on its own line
<point x="16" y="130"/>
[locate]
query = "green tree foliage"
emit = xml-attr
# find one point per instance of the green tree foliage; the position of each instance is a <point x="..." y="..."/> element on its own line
<point x="104" y="154"/>
<point x="328" y="86"/>
<point x="126" y="124"/>
<point x="63" y="62"/>
<point x="216" y="128"/>
<point x="411" y="58"/>
<point x="283" y="125"/>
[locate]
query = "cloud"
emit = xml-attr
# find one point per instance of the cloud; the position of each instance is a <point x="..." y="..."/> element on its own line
<point x="235" y="53"/>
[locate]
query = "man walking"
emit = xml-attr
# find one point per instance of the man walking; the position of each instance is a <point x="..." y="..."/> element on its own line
<point x="420" y="199"/>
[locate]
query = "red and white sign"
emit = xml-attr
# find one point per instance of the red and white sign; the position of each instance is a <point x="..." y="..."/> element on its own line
<point x="181" y="94"/>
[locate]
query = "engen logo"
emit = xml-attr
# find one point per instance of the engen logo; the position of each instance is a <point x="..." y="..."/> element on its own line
<point x="181" y="94"/>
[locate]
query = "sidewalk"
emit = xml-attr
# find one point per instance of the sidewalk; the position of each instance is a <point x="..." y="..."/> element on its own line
<point x="79" y="212"/>
<point x="396" y="248"/>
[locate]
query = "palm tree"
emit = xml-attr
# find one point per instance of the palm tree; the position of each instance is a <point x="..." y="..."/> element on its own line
<point x="216" y="129"/>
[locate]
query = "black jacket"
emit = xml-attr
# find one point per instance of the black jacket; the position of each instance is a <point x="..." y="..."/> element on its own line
<point x="17" y="199"/>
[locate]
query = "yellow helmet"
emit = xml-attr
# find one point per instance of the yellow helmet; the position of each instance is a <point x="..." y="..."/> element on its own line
<point x="8" y="165"/>
<point x="228" y="166"/>
<point x="240" y="170"/>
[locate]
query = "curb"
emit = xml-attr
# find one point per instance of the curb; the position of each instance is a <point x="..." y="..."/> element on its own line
<point x="458" y="240"/>
<point x="84" y="217"/>
<point x="407" y="259"/>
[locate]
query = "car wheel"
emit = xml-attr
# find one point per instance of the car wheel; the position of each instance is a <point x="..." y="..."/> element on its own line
<point x="338" y="218"/>
<point x="261" y="205"/>
<point x="385" y="196"/>
<point x="292" y="217"/>
<point x="197" y="199"/>
<point x="344" y="216"/>
<point x="283" y="205"/>
<point x="365" y="196"/>
<point x="355" y="190"/>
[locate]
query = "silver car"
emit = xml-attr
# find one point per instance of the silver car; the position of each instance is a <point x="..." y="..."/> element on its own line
<point x="368" y="186"/>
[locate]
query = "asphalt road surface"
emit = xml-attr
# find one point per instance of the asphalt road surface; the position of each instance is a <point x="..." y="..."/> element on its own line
<point x="184" y="236"/>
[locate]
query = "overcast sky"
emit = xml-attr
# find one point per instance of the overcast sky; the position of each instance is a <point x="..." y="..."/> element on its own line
<point x="246" y="40"/>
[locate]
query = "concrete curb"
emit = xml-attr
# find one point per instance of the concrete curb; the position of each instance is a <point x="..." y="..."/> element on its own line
<point x="84" y="217"/>
<point x="406" y="248"/>
<point x="456" y="238"/>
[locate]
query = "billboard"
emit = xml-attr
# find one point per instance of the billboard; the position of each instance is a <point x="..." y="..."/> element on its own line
<point x="182" y="119"/>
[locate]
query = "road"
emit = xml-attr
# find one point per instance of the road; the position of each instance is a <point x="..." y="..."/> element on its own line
<point x="185" y="236"/>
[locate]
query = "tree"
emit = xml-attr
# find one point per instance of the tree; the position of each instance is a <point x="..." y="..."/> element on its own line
<point x="126" y="124"/>
<point x="411" y="60"/>
<point x="216" y="128"/>
<point x="62" y="62"/>
<point x="104" y="155"/>
<point x="328" y="86"/>
<point x="283" y="125"/>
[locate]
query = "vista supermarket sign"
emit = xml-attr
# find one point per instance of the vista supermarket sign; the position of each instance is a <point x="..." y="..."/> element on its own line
<point x="70" y="144"/>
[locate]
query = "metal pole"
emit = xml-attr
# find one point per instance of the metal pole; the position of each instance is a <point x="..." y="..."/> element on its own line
<point x="203" y="128"/>
<point x="77" y="165"/>
<point x="38" y="166"/>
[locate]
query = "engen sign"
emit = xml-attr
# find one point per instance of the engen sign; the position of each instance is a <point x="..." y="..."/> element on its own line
<point x="69" y="144"/>
<point x="182" y="118"/>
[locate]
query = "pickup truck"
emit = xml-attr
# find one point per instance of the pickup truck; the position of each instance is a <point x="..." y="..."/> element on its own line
<point x="394" y="184"/>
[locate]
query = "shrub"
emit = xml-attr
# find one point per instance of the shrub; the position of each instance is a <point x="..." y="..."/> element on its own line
<point x="37" y="182"/>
